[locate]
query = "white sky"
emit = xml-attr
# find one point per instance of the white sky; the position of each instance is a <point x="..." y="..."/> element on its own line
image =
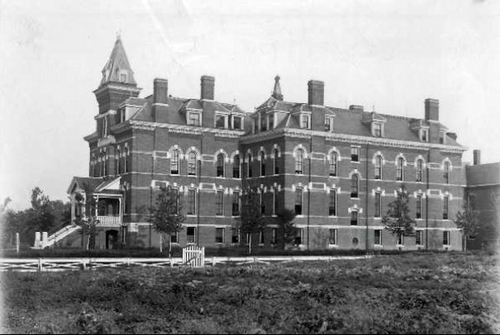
<point x="388" y="54"/>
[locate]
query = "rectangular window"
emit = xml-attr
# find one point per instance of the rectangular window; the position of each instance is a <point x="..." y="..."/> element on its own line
<point x="446" y="237"/>
<point x="378" y="237"/>
<point x="271" y="121"/>
<point x="355" y="154"/>
<point x="190" y="234"/>
<point x="191" y="202"/>
<point x="419" y="237"/>
<point x="263" y="122"/>
<point x="262" y="202"/>
<point x="424" y="135"/>
<point x="274" y="236"/>
<point x="401" y="240"/>
<point x="219" y="235"/>
<point x="305" y="121"/>
<point x="235" y="235"/>
<point x="332" y="205"/>
<point x="237" y="124"/>
<point x="333" y="237"/>
<point x="275" y="207"/>
<point x="220" y="121"/>
<point x="378" y="204"/>
<point x="261" y="237"/>
<point x="329" y="123"/>
<point x="194" y="119"/>
<point x="299" y="236"/>
<point x="236" y="204"/>
<point x="377" y="129"/>
<point x="445" y="208"/>
<point x="219" y="203"/>
<point x="174" y="237"/>
<point x="418" y="212"/>
<point x="298" y="201"/>
<point x="354" y="218"/>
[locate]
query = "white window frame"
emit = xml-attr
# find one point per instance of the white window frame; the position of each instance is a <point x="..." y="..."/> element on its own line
<point x="378" y="243"/>
<point x="329" y="119"/>
<point x="225" y="116"/>
<point x="307" y="118"/>
<point x="335" y="232"/>
<point x="189" y="119"/>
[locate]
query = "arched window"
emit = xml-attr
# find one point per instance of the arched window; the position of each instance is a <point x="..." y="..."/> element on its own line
<point x="174" y="162"/>
<point x="276" y="167"/>
<point x="354" y="186"/>
<point x="236" y="166"/>
<point x="333" y="163"/>
<point x="446" y="173"/>
<point x="191" y="163"/>
<point x="378" y="167"/>
<point x="220" y="165"/>
<point x="249" y="165"/>
<point x="420" y="171"/>
<point x="117" y="161"/>
<point x="105" y="164"/>
<point x="125" y="160"/>
<point x="400" y="169"/>
<point x="262" y="164"/>
<point x="299" y="161"/>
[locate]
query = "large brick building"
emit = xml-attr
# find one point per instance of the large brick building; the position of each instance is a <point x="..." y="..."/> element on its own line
<point x="337" y="168"/>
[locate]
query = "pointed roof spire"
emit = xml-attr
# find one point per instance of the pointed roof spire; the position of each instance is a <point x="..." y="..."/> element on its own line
<point x="277" y="89"/>
<point x="118" y="69"/>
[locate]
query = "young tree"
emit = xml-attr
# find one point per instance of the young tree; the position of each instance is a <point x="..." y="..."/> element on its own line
<point x="166" y="216"/>
<point x="286" y="227"/>
<point x="251" y="220"/>
<point x="398" y="220"/>
<point x="467" y="220"/>
<point x="85" y="216"/>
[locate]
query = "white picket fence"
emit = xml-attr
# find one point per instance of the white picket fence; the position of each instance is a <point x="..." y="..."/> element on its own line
<point x="196" y="259"/>
<point x="193" y="256"/>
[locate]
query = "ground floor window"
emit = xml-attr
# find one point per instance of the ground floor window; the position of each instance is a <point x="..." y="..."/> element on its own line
<point x="261" y="237"/>
<point x="333" y="237"/>
<point x="274" y="236"/>
<point x="174" y="237"/>
<point x="190" y="234"/>
<point x="299" y="236"/>
<point x="401" y="239"/>
<point x="378" y="236"/>
<point x="219" y="235"/>
<point x="235" y="235"/>
<point x="354" y="218"/>
<point x="419" y="237"/>
<point x="446" y="238"/>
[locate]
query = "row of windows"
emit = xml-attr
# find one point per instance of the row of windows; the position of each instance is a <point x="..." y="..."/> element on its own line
<point x="298" y="204"/>
<point x="99" y="165"/>
<point x="333" y="237"/>
<point x="224" y="121"/>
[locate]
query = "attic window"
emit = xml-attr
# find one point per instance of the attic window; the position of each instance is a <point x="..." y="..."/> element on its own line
<point x="329" y="123"/>
<point x="442" y="137"/>
<point x="220" y="121"/>
<point x="237" y="122"/>
<point x="424" y="135"/>
<point x="194" y="119"/>
<point x="377" y="129"/>
<point x="305" y="121"/>
<point x="123" y="78"/>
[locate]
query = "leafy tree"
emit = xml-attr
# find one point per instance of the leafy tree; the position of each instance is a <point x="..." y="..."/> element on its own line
<point x="251" y="220"/>
<point x="166" y="216"/>
<point x="398" y="220"/>
<point x="286" y="227"/>
<point x="468" y="221"/>
<point x="85" y="216"/>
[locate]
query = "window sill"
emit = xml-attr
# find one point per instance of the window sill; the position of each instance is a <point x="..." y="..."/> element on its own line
<point x="378" y="246"/>
<point x="333" y="245"/>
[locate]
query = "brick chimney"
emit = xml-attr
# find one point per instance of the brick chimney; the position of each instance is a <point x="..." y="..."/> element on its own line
<point x="476" y="157"/>
<point x="432" y="109"/>
<point x="207" y="87"/>
<point x="160" y="91"/>
<point x="316" y="92"/>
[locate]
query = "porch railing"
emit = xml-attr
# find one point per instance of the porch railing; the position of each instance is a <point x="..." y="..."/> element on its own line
<point x="109" y="221"/>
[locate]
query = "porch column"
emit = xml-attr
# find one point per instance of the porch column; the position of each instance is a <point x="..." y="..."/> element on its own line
<point x="97" y="206"/>
<point x="120" y="210"/>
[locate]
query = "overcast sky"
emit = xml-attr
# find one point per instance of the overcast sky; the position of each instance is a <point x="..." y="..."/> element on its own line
<point x="385" y="55"/>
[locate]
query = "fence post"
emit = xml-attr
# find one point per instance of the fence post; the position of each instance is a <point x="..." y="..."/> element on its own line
<point x="17" y="242"/>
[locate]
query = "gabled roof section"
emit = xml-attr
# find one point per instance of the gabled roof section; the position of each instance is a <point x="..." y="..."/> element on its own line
<point x="88" y="184"/>
<point x="117" y="66"/>
<point x="109" y="185"/>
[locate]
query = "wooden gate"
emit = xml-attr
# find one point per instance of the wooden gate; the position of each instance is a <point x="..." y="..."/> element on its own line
<point x="193" y="256"/>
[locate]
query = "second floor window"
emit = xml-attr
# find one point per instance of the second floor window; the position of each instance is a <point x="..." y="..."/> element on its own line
<point x="236" y="166"/>
<point x="420" y="171"/>
<point x="445" y="208"/>
<point x="332" y="205"/>
<point x="275" y="162"/>
<point x="262" y="164"/>
<point x="354" y="186"/>
<point x="236" y="204"/>
<point x="249" y="165"/>
<point x="418" y="211"/>
<point x="446" y="173"/>
<point x="378" y="204"/>
<point x="400" y="169"/>
<point x="192" y="164"/>
<point x="220" y="165"/>
<point x="299" y="161"/>
<point x="219" y="203"/>
<point x="125" y="160"/>
<point x="191" y="202"/>
<point x="117" y="162"/>
<point x="298" y="201"/>
<point x="174" y="162"/>
<point x="378" y="167"/>
<point x="333" y="163"/>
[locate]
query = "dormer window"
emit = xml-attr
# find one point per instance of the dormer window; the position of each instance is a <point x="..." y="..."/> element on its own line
<point x="329" y="123"/>
<point x="377" y="129"/>
<point x="221" y="120"/>
<point x="194" y="119"/>
<point x="442" y="136"/>
<point x="270" y="118"/>
<point x="237" y="122"/>
<point x="263" y="122"/>
<point x="424" y="135"/>
<point x="305" y="121"/>
<point x="123" y="78"/>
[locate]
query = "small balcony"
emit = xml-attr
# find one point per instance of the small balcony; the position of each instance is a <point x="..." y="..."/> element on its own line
<point x="109" y="221"/>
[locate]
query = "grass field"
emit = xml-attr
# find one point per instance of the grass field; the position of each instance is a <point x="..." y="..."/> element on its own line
<point x="408" y="293"/>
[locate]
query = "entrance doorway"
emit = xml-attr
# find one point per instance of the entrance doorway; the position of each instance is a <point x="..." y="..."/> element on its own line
<point x="111" y="239"/>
